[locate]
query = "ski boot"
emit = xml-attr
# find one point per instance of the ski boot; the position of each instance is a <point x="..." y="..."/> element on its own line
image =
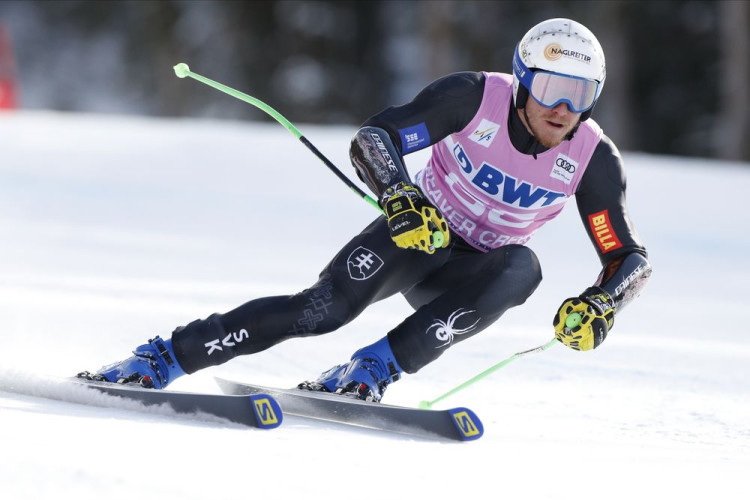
<point x="365" y="377"/>
<point x="153" y="366"/>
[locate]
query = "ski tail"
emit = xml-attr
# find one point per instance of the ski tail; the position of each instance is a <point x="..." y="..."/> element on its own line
<point x="254" y="410"/>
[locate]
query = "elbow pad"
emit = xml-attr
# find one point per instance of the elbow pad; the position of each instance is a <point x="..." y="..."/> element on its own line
<point x="376" y="160"/>
<point x="624" y="278"/>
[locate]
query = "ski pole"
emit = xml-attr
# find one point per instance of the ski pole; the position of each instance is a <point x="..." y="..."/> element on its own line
<point x="571" y="322"/>
<point x="485" y="373"/>
<point x="182" y="70"/>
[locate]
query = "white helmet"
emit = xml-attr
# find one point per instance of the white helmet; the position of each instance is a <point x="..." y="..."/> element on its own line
<point x="559" y="60"/>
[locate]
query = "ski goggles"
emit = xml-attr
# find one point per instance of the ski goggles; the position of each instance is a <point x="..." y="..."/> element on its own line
<point x="550" y="89"/>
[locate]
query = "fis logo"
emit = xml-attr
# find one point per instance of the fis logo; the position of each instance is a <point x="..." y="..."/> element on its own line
<point x="485" y="133"/>
<point x="605" y="236"/>
<point x="467" y="423"/>
<point x="267" y="411"/>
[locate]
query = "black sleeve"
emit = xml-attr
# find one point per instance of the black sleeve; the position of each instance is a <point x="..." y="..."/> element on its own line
<point x="601" y="204"/>
<point x="442" y="108"/>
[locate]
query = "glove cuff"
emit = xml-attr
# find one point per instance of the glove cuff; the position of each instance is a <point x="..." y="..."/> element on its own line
<point x="599" y="299"/>
<point x="402" y="188"/>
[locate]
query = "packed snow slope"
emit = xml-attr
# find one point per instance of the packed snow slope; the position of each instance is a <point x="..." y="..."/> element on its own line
<point x="118" y="229"/>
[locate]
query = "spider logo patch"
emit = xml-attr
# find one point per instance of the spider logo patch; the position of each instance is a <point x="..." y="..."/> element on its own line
<point x="446" y="332"/>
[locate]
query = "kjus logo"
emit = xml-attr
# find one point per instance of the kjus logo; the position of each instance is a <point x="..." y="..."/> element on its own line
<point x="564" y="169"/>
<point x="485" y="133"/>
<point x="445" y="331"/>
<point x="605" y="236"/>
<point x="230" y="340"/>
<point x="363" y="264"/>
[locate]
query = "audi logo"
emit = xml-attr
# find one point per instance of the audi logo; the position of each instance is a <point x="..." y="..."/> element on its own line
<point x="565" y="165"/>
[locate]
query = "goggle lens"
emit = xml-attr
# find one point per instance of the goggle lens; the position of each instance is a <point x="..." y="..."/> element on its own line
<point x="550" y="89"/>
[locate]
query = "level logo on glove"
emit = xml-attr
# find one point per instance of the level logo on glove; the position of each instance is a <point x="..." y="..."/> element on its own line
<point x="413" y="222"/>
<point x="582" y="322"/>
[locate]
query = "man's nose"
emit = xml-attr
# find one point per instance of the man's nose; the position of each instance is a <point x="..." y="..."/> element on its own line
<point x="562" y="109"/>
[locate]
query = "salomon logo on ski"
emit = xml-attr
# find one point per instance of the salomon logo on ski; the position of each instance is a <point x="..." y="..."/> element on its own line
<point x="468" y="424"/>
<point x="267" y="411"/>
<point x="459" y="424"/>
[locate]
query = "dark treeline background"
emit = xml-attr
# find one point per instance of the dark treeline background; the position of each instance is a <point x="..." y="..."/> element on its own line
<point x="677" y="80"/>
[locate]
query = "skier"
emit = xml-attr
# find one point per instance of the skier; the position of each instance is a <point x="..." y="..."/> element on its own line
<point x="507" y="152"/>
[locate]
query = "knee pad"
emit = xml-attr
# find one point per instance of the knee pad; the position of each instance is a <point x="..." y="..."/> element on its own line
<point x="524" y="260"/>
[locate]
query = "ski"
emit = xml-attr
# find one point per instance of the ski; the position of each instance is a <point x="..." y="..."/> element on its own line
<point x="254" y="410"/>
<point x="460" y="424"/>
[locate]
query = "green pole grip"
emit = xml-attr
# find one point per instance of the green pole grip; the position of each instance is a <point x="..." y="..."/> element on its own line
<point x="573" y="320"/>
<point x="438" y="238"/>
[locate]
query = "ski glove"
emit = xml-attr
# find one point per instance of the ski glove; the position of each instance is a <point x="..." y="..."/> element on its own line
<point x="412" y="220"/>
<point x="582" y="322"/>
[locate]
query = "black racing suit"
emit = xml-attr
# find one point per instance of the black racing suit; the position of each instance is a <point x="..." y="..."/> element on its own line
<point x="457" y="292"/>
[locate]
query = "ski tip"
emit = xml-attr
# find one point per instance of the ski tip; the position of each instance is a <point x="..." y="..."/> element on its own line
<point x="267" y="411"/>
<point x="467" y="423"/>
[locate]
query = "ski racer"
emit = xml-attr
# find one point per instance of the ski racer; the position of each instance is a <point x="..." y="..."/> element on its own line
<point x="508" y="151"/>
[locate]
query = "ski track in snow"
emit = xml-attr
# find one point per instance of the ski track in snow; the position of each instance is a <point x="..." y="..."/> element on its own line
<point x="116" y="229"/>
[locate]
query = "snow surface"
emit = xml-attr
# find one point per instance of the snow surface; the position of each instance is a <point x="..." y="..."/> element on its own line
<point x="116" y="229"/>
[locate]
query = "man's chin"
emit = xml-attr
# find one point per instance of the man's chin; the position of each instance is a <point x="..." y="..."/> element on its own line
<point x="555" y="138"/>
<point x="550" y="143"/>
